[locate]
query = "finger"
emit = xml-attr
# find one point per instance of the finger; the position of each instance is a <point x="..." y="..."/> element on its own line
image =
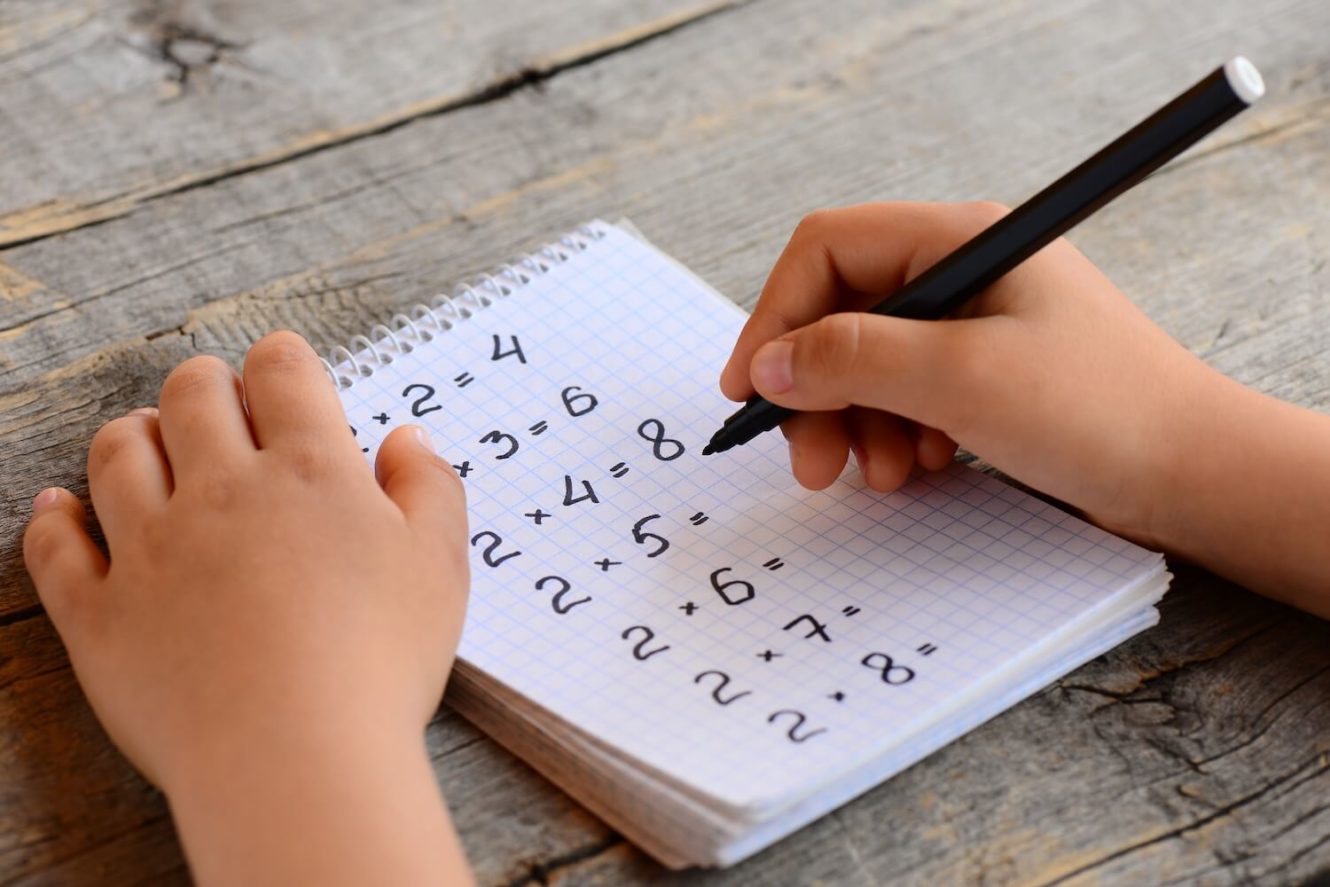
<point x="883" y="448"/>
<point x="933" y="449"/>
<point x="870" y="250"/>
<point x="128" y="475"/>
<point x="292" y="402"/>
<point x="819" y="447"/>
<point x="62" y="559"/>
<point x="202" y="416"/>
<point x="424" y="486"/>
<point x="924" y="370"/>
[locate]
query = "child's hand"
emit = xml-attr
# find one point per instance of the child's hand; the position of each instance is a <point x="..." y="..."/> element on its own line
<point x="274" y="626"/>
<point x="1051" y="375"/>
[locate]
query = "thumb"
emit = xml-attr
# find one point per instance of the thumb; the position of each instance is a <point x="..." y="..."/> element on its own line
<point x="423" y="486"/>
<point x="61" y="558"/>
<point x="918" y="369"/>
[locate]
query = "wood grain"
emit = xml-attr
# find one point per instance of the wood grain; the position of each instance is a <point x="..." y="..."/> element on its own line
<point x="335" y="161"/>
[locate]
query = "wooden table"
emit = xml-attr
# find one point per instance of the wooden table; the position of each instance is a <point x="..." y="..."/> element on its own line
<point x="177" y="177"/>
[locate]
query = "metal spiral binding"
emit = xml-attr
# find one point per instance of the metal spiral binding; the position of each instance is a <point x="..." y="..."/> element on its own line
<point x="421" y="322"/>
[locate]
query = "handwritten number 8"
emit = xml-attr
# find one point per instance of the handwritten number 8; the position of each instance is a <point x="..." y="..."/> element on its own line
<point x="891" y="672"/>
<point x="663" y="448"/>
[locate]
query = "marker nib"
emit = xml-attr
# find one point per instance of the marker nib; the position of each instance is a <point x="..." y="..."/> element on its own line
<point x="708" y="450"/>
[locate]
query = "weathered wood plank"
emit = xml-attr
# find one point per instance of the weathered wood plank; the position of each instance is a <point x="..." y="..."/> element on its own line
<point x="122" y="102"/>
<point x="1196" y="751"/>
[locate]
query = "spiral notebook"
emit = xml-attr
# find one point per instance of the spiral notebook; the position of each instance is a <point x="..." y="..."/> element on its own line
<point x="701" y="652"/>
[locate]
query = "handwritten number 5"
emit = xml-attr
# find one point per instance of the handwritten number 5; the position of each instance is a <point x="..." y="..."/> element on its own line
<point x="641" y="537"/>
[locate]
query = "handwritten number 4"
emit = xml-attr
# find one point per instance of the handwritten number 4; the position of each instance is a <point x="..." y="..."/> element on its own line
<point x="515" y="351"/>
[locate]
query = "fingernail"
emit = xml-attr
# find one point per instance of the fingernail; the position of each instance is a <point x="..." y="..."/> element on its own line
<point x="794" y="460"/>
<point x="144" y="411"/>
<point x="45" y="499"/>
<point x="421" y="437"/>
<point x="773" y="367"/>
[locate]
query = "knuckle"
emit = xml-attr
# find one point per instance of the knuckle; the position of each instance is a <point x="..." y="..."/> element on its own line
<point x="278" y="351"/>
<point x="982" y="213"/>
<point x="811" y="226"/>
<point x="194" y="376"/>
<point x="838" y="341"/>
<point x="111" y="440"/>
<point x="220" y="489"/>
<point x="311" y="464"/>
<point x="42" y="541"/>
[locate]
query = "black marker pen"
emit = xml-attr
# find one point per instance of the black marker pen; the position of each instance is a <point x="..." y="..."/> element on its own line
<point x="1011" y="240"/>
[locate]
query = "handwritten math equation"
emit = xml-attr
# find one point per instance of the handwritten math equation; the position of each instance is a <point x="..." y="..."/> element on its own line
<point x="652" y="535"/>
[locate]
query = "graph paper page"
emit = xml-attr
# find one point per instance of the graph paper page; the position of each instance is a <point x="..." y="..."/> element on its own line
<point x="706" y="616"/>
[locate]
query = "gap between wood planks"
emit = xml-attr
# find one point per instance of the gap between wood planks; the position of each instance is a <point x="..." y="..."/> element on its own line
<point x="58" y="219"/>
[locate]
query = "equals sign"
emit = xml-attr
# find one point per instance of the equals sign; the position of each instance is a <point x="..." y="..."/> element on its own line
<point x="539" y="428"/>
<point x="850" y="610"/>
<point x="774" y="564"/>
<point x="464" y="380"/>
<point x="927" y="649"/>
<point x="618" y="469"/>
<point x="699" y="519"/>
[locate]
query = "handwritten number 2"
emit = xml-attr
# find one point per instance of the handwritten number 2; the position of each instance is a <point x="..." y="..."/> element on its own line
<point x="640" y="652"/>
<point x="557" y="602"/>
<point x="417" y="406"/>
<point x="721" y="685"/>
<point x="663" y="448"/>
<point x="488" y="554"/>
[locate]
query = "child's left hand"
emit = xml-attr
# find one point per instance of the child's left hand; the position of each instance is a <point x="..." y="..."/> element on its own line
<point x="273" y="628"/>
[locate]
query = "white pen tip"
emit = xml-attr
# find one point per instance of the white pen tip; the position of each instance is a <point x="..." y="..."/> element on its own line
<point x="1244" y="79"/>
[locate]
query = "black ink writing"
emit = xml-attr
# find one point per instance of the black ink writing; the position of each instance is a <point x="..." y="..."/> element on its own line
<point x="640" y="652"/>
<point x="721" y="685"/>
<point x="464" y="379"/>
<point x="497" y="436"/>
<point x="560" y="605"/>
<point x="568" y="498"/>
<point x="355" y="433"/>
<point x="799" y="719"/>
<point x="515" y="351"/>
<point x="418" y="407"/>
<point x="891" y="672"/>
<point x="641" y="537"/>
<point x="815" y="628"/>
<point x="495" y="541"/>
<point x="578" y="404"/>
<point x="663" y="448"/>
<point x="727" y="590"/>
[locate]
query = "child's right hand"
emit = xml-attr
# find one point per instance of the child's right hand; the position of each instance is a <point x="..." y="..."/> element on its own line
<point x="1051" y="375"/>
